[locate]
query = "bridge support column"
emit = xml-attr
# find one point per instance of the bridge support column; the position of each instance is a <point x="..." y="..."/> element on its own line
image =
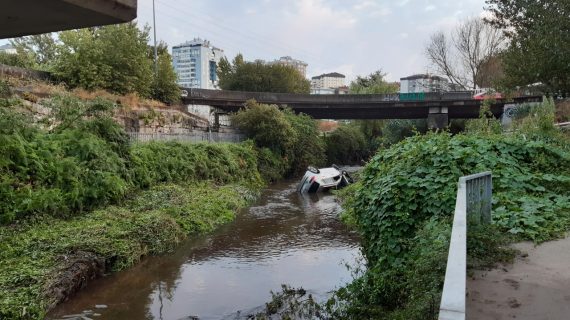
<point x="438" y="118"/>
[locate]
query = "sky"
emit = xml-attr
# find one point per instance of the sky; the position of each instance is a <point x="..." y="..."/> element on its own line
<point x="353" y="37"/>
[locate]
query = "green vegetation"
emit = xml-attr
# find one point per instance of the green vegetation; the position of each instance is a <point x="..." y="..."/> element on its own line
<point x="116" y="58"/>
<point x="539" y="46"/>
<point x="164" y="86"/>
<point x="77" y="200"/>
<point x="40" y="260"/>
<point x="260" y="77"/>
<point x="374" y="83"/>
<point x="346" y="145"/>
<point x="112" y="58"/>
<point x="85" y="161"/>
<point x="16" y="60"/>
<point x="404" y="203"/>
<point x="288" y="143"/>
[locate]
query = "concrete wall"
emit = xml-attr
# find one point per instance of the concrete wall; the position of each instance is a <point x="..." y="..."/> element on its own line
<point x="23" y="73"/>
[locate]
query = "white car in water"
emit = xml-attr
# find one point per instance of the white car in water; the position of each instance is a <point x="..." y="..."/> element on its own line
<point x="317" y="180"/>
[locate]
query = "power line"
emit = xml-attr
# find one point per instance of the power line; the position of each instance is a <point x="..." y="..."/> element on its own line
<point x="252" y="35"/>
<point x="278" y="48"/>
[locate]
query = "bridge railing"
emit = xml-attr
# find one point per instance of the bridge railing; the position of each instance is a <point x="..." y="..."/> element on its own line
<point x="473" y="204"/>
<point x="281" y="98"/>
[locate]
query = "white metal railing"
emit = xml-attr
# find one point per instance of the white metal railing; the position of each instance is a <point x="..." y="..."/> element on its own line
<point x="473" y="204"/>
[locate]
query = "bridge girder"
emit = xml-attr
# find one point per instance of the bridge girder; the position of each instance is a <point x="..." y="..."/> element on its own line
<point x="346" y="106"/>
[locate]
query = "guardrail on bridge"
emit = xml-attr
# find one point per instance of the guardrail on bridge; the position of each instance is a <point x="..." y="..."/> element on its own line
<point x="473" y="204"/>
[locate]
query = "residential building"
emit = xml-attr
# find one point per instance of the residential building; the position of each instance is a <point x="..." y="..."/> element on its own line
<point x="339" y="90"/>
<point x="196" y="62"/>
<point x="423" y="83"/>
<point x="288" y="61"/>
<point x="328" y="80"/>
<point x="7" y="48"/>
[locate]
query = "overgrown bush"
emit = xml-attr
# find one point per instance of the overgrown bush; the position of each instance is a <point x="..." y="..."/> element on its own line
<point x="35" y="257"/>
<point x="404" y="204"/>
<point x="158" y="162"/>
<point x="346" y="145"/>
<point x="293" y="139"/>
<point x="79" y="158"/>
<point x="71" y="168"/>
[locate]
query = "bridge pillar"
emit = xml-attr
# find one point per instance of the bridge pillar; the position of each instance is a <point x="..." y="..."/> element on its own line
<point x="438" y="118"/>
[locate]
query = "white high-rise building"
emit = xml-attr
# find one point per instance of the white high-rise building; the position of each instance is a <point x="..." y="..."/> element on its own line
<point x="196" y="62"/>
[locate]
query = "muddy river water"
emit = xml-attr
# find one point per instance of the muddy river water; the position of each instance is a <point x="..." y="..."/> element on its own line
<point x="283" y="238"/>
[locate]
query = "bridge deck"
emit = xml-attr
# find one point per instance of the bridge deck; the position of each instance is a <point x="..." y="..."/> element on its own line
<point x="373" y="106"/>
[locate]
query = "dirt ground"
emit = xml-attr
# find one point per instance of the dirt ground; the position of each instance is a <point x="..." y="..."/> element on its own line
<point x="536" y="286"/>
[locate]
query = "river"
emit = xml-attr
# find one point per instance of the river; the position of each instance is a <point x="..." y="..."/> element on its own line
<point x="283" y="238"/>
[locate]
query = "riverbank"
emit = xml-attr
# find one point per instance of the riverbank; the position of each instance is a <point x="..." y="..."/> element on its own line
<point x="535" y="286"/>
<point x="46" y="261"/>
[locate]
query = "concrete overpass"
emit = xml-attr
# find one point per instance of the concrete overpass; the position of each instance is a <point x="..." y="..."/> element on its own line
<point x="25" y="17"/>
<point x="437" y="108"/>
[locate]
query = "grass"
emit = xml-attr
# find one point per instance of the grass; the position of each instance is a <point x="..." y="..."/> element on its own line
<point x="41" y="260"/>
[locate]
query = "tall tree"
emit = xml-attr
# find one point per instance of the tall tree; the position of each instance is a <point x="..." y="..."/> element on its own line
<point x="20" y="59"/>
<point x="461" y="57"/>
<point x="260" y="77"/>
<point x="42" y="47"/>
<point x="373" y="83"/>
<point x="539" y="34"/>
<point x="111" y="57"/>
<point x="164" y="85"/>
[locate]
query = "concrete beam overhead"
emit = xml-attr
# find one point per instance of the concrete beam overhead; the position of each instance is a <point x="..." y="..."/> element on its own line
<point x="27" y="17"/>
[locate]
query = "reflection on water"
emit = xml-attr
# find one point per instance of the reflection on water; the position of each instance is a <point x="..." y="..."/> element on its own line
<point x="285" y="238"/>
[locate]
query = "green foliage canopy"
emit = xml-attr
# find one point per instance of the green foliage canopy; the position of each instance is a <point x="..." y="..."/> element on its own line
<point x="539" y="49"/>
<point x="374" y="83"/>
<point x="288" y="142"/>
<point x="260" y="77"/>
<point x="346" y="145"/>
<point x="112" y="57"/>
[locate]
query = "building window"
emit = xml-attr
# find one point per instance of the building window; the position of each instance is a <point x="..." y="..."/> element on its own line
<point x="213" y="73"/>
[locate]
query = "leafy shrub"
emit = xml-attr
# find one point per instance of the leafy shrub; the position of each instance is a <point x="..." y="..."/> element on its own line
<point x="35" y="255"/>
<point x="308" y="148"/>
<point x="266" y="125"/>
<point x="158" y="162"/>
<point x="85" y="160"/>
<point x="292" y="138"/>
<point x="406" y="198"/>
<point x="346" y="145"/>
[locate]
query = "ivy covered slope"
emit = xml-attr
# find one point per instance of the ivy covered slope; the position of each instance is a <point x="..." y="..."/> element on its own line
<point x="77" y="200"/>
<point x="404" y="203"/>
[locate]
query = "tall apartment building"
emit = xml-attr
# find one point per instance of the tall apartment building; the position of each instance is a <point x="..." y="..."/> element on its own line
<point x="196" y="62"/>
<point x="423" y="83"/>
<point x="328" y="80"/>
<point x="288" y="61"/>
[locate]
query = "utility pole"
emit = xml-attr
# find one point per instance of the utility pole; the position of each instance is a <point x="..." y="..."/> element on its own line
<point x="154" y="28"/>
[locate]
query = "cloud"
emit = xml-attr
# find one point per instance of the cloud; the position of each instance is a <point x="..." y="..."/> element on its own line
<point x="373" y="8"/>
<point x="430" y="7"/>
<point x="315" y="13"/>
<point x="402" y="3"/>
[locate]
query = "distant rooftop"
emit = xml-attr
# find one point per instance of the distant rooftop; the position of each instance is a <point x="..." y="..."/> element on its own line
<point x="329" y="75"/>
<point x="424" y="76"/>
<point x="288" y="59"/>
<point x="197" y="42"/>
